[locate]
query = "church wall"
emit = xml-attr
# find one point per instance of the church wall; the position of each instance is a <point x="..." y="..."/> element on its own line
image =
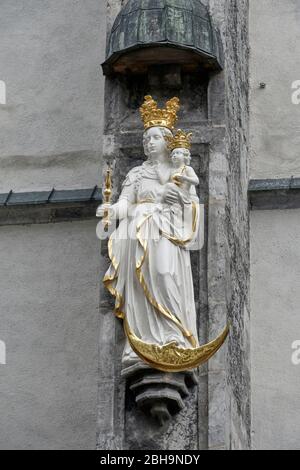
<point x="236" y="278"/>
<point x="275" y="61"/>
<point x="49" y="286"/>
<point x="275" y="139"/>
<point x="64" y="150"/>
<point x="275" y="325"/>
<point x="51" y="124"/>
<point x="51" y="136"/>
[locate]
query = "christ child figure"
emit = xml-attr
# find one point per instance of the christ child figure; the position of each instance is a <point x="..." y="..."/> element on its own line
<point x="183" y="175"/>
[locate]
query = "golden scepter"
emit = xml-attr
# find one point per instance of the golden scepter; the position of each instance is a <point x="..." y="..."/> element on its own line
<point x="107" y="192"/>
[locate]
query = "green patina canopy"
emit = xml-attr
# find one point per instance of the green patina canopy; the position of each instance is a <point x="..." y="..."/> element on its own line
<point x="148" y="32"/>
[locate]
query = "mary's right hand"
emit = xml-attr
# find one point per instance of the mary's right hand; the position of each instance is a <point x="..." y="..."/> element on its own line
<point x="103" y="209"/>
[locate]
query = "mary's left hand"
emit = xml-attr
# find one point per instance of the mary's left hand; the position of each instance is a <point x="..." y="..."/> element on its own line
<point x="172" y="194"/>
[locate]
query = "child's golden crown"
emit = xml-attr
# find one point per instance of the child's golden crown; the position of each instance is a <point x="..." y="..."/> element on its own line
<point x="180" y="140"/>
<point x="152" y="116"/>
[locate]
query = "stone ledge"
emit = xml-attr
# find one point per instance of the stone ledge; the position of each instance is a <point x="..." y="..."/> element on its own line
<point x="271" y="194"/>
<point x="39" y="207"/>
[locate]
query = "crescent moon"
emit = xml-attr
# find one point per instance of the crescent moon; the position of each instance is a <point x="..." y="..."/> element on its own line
<point x="170" y="357"/>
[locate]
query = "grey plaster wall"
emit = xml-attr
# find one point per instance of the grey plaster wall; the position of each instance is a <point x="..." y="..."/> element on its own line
<point x="275" y="325"/>
<point x="51" y="136"/>
<point x="275" y="139"/>
<point x="275" y="61"/>
<point x="51" y="125"/>
<point x="49" y="283"/>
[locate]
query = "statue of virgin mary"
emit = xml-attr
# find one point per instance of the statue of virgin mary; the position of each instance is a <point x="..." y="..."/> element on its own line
<point x="150" y="273"/>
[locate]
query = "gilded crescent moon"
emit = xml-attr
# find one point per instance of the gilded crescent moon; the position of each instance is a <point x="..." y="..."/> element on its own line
<point x="170" y="357"/>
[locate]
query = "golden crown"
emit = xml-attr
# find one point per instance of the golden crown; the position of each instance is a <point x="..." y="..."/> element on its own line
<point x="180" y="140"/>
<point x="152" y="116"/>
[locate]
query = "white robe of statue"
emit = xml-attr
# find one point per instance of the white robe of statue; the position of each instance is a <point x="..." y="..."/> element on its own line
<point x="150" y="273"/>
